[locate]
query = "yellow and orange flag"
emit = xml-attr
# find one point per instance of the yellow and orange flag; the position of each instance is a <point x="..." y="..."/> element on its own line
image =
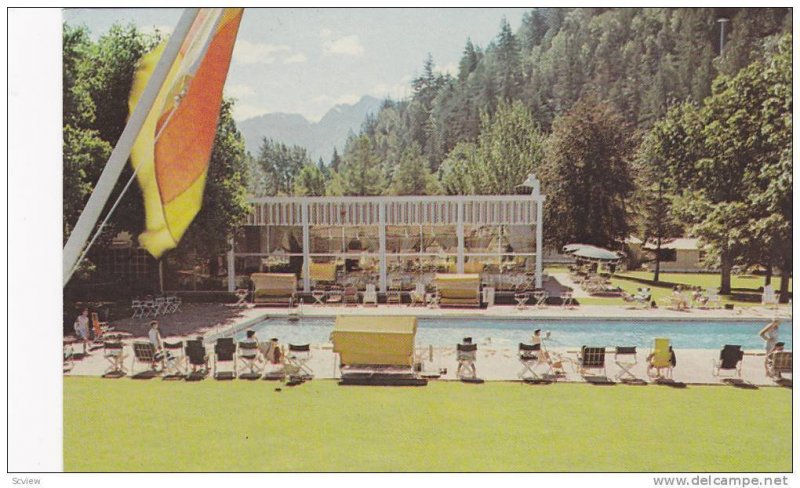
<point x="172" y="151"/>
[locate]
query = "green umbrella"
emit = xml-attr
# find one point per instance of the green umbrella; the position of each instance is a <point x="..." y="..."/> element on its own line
<point x="596" y="253"/>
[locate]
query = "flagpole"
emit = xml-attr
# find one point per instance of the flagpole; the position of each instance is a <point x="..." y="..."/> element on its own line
<point x="119" y="156"/>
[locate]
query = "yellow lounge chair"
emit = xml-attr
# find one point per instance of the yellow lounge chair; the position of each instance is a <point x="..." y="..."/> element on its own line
<point x="459" y="290"/>
<point x="661" y="359"/>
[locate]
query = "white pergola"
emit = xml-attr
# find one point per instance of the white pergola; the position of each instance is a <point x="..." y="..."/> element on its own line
<point x="458" y="211"/>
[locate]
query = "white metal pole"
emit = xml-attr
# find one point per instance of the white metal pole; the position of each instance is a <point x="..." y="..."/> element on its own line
<point x="231" y="267"/>
<point x="306" y="249"/>
<point x="460" y="236"/>
<point x="382" y="245"/>
<point x="119" y="156"/>
<point x="539" y="218"/>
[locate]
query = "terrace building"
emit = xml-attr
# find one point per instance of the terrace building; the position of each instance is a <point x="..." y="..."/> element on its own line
<point x="393" y="241"/>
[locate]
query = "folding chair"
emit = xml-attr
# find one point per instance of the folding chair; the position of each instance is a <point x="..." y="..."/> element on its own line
<point x="730" y="359"/>
<point x="137" y="306"/>
<point x="335" y="295"/>
<point x="566" y="299"/>
<point x="522" y="295"/>
<point x="531" y="356"/>
<point x="466" y="355"/>
<point x="176" y="304"/>
<point x="114" y="353"/>
<point x="713" y="297"/>
<point x="174" y="361"/>
<point x="160" y="305"/>
<point x="297" y="358"/>
<point x="779" y="363"/>
<point x="394" y="294"/>
<point x="247" y="353"/>
<point x="224" y="352"/>
<point x="241" y="297"/>
<point x="592" y="358"/>
<point x="148" y="306"/>
<point x="418" y="295"/>
<point x="144" y="352"/>
<point x="197" y="357"/>
<point x="625" y="358"/>
<point x="660" y="359"/>
<point x="540" y="298"/>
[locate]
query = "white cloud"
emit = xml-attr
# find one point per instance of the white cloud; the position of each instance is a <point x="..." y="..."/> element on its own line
<point x="451" y="69"/>
<point x="348" y="45"/>
<point x="247" y="52"/>
<point x="295" y="58"/>
<point x="348" y="98"/>
<point x="395" y="91"/>
<point x="239" y="90"/>
<point x="325" y="32"/>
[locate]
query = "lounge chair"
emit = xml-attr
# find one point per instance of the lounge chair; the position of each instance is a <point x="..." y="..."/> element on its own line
<point x="197" y="358"/>
<point x="350" y="296"/>
<point x="248" y="354"/>
<point x="274" y="288"/>
<point x="334" y="295"/>
<point x="225" y="352"/>
<point x="418" y="295"/>
<point x="713" y="298"/>
<point x="730" y="359"/>
<point x="642" y="297"/>
<point x="144" y="352"/>
<point x="466" y="355"/>
<point x="297" y="358"/>
<point x="625" y="359"/>
<point x="174" y="361"/>
<point x="114" y="353"/>
<point x="591" y="358"/>
<point x="531" y="356"/>
<point x="661" y="359"/>
<point x="459" y="290"/>
<point x="779" y="363"/>
<point x="370" y="295"/>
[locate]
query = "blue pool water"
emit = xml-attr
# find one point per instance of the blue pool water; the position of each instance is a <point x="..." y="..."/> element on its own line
<point x="503" y="333"/>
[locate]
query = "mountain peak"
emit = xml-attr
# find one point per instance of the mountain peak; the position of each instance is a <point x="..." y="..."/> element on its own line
<point x="318" y="138"/>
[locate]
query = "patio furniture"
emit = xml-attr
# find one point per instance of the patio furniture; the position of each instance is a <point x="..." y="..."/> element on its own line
<point x="521" y="295"/>
<point x="488" y="294"/>
<point x="730" y="360"/>
<point x="370" y="295"/>
<point x="376" y="350"/>
<point x="114" y="354"/>
<point x="713" y="298"/>
<point x="241" y="297"/>
<point x="418" y="295"/>
<point x="224" y="353"/>
<point x="625" y="359"/>
<point x="394" y="295"/>
<point x="335" y="295"/>
<point x="567" y="299"/>
<point x="297" y="358"/>
<point x="466" y="355"/>
<point x="661" y="359"/>
<point x="144" y="352"/>
<point x="174" y="361"/>
<point x="318" y="296"/>
<point x="432" y="300"/>
<point x="274" y="288"/>
<point x="531" y="356"/>
<point x="350" y="295"/>
<point x="247" y="353"/>
<point x="540" y="298"/>
<point x="137" y="306"/>
<point x="590" y="358"/>
<point x="458" y="290"/>
<point x="779" y="363"/>
<point x="769" y="297"/>
<point x="197" y="358"/>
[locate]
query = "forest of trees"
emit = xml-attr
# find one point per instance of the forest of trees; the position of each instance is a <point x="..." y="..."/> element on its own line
<point x="636" y="120"/>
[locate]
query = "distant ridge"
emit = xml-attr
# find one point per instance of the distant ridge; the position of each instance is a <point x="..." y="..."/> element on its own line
<point x="318" y="138"/>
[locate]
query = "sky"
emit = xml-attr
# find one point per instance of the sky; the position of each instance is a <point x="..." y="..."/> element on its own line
<point x="307" y="60"/>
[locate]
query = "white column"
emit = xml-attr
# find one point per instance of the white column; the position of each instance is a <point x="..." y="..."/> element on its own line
<point x="306" y="249"/>
<point x="460" y="235"/>
<point x="539" y="218"/>
<point x="231" y="267"/>
<point x="382" y="244"/>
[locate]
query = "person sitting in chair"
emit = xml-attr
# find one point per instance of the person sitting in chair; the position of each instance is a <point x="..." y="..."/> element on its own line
<point x="556" y="363"/>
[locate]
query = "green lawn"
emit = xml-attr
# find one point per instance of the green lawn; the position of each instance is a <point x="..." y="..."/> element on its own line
<point x="128" y="425"/>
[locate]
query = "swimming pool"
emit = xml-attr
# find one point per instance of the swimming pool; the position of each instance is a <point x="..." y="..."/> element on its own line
<point x="504" y="333"/>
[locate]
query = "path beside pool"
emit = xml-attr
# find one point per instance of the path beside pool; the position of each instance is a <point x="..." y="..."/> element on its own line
<point x="694" y="365"/>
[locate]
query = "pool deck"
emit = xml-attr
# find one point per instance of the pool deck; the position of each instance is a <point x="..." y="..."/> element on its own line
<point x="694" y="366"/>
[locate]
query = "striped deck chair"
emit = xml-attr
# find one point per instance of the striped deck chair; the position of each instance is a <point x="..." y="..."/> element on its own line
<point x="145" y="353"/>
<point x="779" y="363"/>
<point x="592" y="358"/>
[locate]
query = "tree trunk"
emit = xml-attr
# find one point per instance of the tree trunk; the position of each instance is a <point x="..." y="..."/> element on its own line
<point x="658" y="260"/>
<point x="785" y="275"/>
<point x="768" y="275"/>
<point x="726" y="263"/>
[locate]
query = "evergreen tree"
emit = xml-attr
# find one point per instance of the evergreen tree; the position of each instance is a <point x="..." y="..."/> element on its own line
<point x="412" y="176"/>
<point x="360" y="170"/>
